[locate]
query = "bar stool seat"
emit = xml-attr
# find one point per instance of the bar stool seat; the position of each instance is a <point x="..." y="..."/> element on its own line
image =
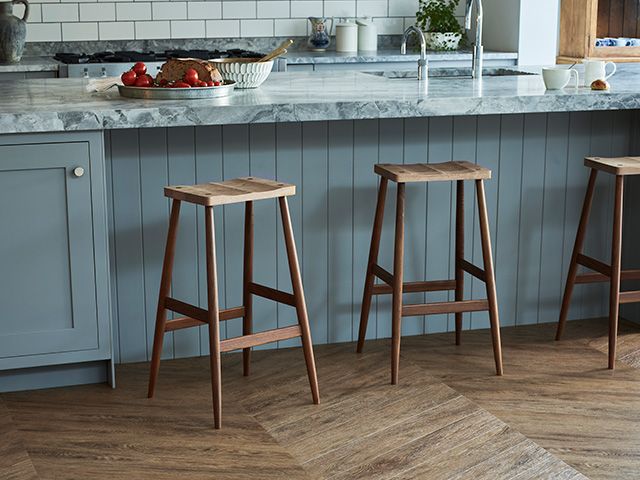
<point x="615" y="166"/>
<point x="393" y="281"/>
<point x="432" y="172"/>
<point x="238" y="190"/>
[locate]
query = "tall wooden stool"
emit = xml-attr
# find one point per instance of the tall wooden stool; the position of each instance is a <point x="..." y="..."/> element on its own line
<point x="393" y="283"/>
<point x="221" y="193"/>
<point x="620" y="167"/>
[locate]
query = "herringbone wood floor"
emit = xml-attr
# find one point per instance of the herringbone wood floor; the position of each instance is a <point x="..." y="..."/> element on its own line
<point x="557" y="413"/>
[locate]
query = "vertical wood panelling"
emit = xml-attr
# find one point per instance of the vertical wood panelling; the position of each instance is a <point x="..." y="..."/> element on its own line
<point x="182" y="171"/>
<point x="263" y="164"/>
<point x="127" y="223"/>
<point x="155" y="211"/>
<point x="438" y="219"/>
<point x="534" y="201"/>
<point x="289" y="169"/>
<point x="551" y="252"/>
<point x="340" y="231"/>
<point x="312" y="245"/>
<point x="508" y="176"/>
<point x="530" y="226"/>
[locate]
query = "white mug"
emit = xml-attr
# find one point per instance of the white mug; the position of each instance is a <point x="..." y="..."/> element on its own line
<point x="556" y="78"/>
<point x="596" y="70"/>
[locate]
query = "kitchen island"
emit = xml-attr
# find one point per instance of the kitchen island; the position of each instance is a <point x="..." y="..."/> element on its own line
<point x="323" y="132"/>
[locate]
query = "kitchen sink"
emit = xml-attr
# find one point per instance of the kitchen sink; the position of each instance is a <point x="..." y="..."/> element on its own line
<point x="449" y="73"/>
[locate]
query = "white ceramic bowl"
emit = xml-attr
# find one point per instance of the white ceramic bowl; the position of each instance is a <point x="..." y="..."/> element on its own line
<point x="246" y="72"/>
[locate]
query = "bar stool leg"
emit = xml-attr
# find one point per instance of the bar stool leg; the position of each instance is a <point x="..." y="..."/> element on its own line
<point x="398" y="267"/>
<point x="616" y="253"/>
<point x="247" y="299"/>
<point x="373" y="258"/>
<point x="490" y="280"/>
<point x="298" y="293"/>
<point x="213" y="318"/>
<point x="459" y="294"/>
<point x="577" y="250"/>
<point x="165" y="286"/>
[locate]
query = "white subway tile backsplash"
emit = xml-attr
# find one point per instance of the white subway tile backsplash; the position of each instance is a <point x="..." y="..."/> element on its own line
<point x="44" y="32"/>
<point x="187" y="29"/>
<point x="54" y="20"/>
<point x="115" y="30"/>
<point x="133" y="11"/>
<point x="79" y="31"/>
<point x="223" y="28"/>
<point x="239" y="9"/>
<point x="94" y="12"/>
<point x="169" y="11"/>
<point x="62" y="12"/>
<point x="154" y="29"/>
<point x="256" y="28"/>
<point x="290" y="27"/>
<point x="204" y="10"/>
<point x="307" y="8"/>
<point x="273" y="8"/>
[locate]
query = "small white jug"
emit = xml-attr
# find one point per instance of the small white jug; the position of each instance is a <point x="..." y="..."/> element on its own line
<point x="596" y="70"/>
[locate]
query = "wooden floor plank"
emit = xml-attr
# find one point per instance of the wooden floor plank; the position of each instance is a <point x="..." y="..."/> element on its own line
<point x="15" y="463"/>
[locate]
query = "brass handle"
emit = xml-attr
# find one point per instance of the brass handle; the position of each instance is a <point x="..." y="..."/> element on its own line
<point x="78" y="171"/>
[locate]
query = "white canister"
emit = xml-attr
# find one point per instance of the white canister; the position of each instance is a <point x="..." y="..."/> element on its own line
<point x="367" y="35"/>
<point x="346" y="37"/>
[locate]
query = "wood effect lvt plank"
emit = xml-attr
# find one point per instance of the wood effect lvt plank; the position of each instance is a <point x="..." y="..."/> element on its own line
<point x="15" y="463"/>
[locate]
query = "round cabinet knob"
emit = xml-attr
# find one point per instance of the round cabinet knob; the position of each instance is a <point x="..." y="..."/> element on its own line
<point x="78" y="171"/>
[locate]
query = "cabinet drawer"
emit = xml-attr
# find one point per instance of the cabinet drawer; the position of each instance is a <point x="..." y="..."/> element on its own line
<point x="48" y="282"/>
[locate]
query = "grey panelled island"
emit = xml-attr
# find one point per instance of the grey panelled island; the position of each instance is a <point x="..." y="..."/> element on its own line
<point x="83" y="216"/>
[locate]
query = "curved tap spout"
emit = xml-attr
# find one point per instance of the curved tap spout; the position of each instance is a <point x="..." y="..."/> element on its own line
<point x="422" y="63"/>
<point x="476" y="67"/>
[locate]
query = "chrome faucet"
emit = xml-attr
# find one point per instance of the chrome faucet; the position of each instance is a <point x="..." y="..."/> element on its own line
<point x="422" y="63"/>
<point x="476" y="65"/>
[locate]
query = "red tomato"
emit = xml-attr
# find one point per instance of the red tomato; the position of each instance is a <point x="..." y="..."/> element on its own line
<point x="140" y="68"/>
<point x="210" y="83"/>
<point x="129" y="78"/>
<point x="217" y="84"/>
<point x="144" y="81"/>
<point x="182" y="85"/>
<point x="191" y="77"/>
<point x="163" y="82"/>
<point x="201" y="84"/>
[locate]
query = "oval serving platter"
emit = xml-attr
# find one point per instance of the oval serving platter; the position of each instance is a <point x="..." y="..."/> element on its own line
<point x="159" y="93"/>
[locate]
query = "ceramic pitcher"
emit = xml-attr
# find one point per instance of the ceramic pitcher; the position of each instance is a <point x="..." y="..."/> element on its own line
<point x="320" y="38"/>
<point x="13" y="31"/>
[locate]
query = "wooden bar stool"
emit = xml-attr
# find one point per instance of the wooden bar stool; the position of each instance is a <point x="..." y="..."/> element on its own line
<point x="620" y="167"/>
<point x="393" y="283"/>
<point x="221" y="193"/>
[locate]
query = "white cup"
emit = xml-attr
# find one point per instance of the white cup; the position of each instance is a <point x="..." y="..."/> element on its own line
<point x="556" y="78"/>
<point x="596" y="70"/>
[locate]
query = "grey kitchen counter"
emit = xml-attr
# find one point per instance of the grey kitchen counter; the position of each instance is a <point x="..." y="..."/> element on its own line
<point x="386" y="55"/>
<point x="31" y="64"/>
<point x="52" y="105"/>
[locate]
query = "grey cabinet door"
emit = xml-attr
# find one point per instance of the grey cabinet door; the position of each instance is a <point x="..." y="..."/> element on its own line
<point x="47" y="280"/>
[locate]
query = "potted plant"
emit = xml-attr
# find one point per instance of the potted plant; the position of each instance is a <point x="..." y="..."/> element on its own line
<point x="437" y="19"/>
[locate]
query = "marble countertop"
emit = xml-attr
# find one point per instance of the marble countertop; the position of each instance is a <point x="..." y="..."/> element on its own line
<point x="386" y="55"/>
<point x="54" y="105"/>
<point x="31" y="64"/>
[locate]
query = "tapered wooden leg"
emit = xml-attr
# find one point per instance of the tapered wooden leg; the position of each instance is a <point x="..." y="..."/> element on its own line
<point x="247" y="299"/>
<point x="577" y="250"/>
<point x="213" y="318"/>
<point x="459" y="253"/>
<point x="300" y="304"/>
<point x="396" y="303"/>
<point x="616" y="253"/>
<point x="490" y="282"/>
<point x="165" y="286"/>
<point x="373" y="258"/>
